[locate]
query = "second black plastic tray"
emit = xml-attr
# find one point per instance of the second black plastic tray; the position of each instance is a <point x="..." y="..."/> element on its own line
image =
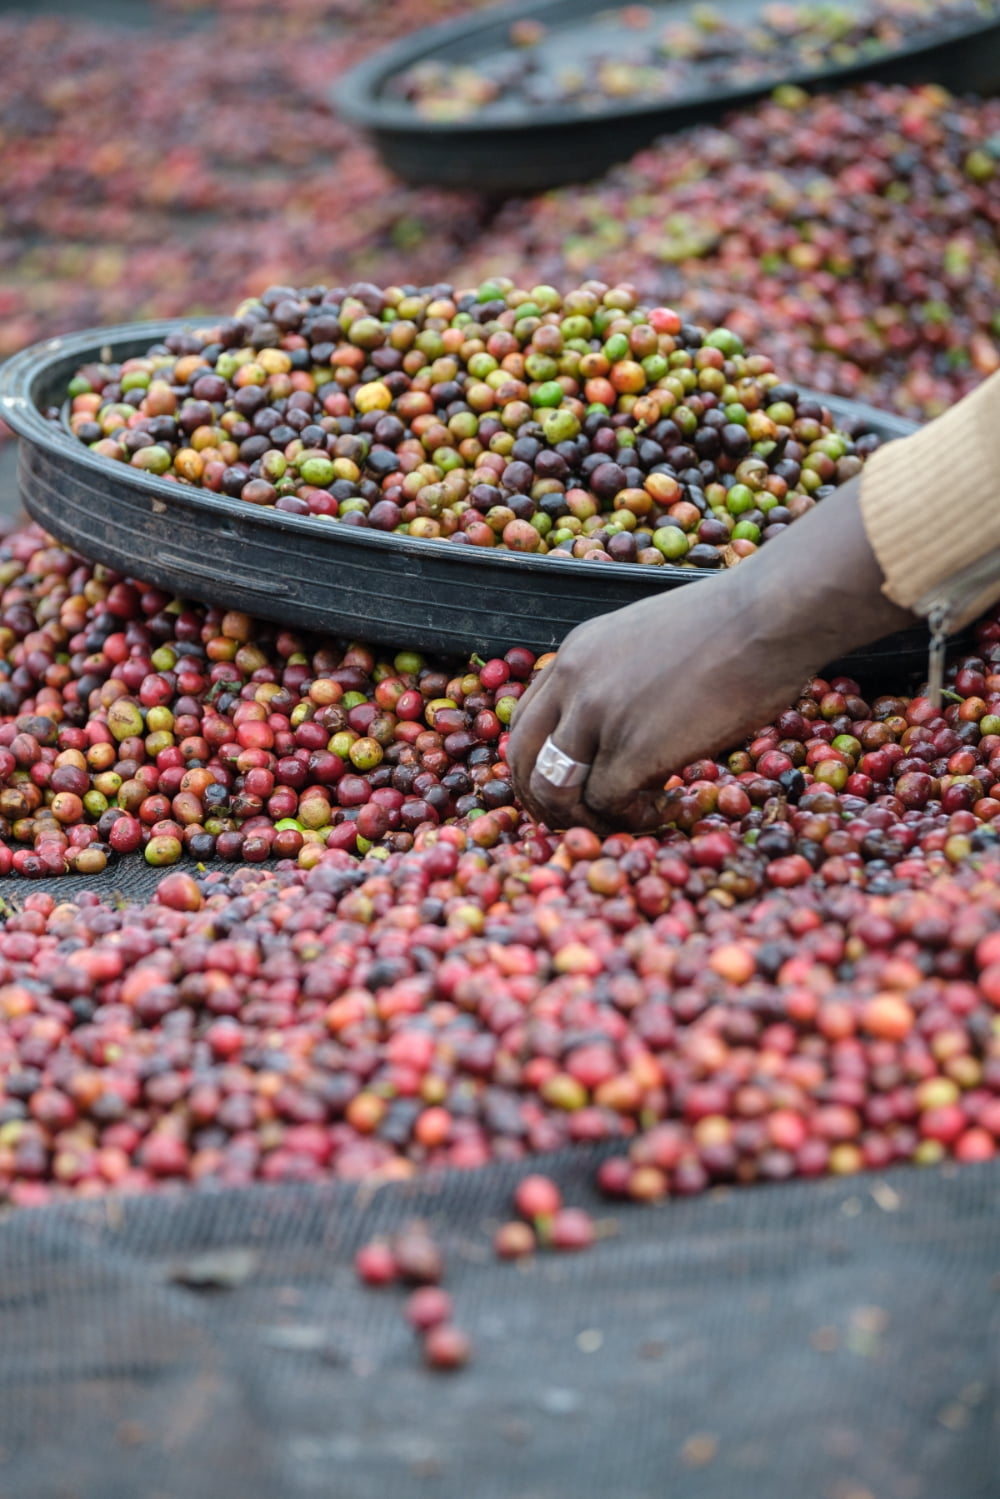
<point x="315" y="574"/>
<point x="537" y="148"/>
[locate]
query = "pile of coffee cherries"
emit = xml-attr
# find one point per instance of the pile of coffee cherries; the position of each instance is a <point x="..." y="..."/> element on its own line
<point x="455" y="1005"/>
<point x="228" y="168"/>
<point x="800" y="974"/>
<point x="580" y="425"/>
<point x="134" y="722"/>
<point x="853" y="237"/>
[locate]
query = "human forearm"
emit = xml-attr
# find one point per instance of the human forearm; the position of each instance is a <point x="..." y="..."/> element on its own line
<point x="931" y="507"/>
<point x="819" y="593"/>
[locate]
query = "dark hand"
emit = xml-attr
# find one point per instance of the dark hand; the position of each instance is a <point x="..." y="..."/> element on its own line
<point x="642" y="692"/>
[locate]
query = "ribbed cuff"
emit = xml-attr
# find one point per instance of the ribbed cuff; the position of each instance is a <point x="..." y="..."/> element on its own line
<point x="931" y="502"/>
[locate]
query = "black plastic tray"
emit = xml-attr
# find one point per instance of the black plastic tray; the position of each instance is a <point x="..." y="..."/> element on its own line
<point x="310" y="573"/>
<point x="545" y="147"/>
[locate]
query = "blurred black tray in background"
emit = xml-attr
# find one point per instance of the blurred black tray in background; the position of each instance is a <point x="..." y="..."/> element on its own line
<point x="540" y="148"/>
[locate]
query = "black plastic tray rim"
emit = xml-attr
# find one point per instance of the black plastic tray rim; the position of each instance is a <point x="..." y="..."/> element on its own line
<point x="316" y="575"/>
<point x="23" y="374"/>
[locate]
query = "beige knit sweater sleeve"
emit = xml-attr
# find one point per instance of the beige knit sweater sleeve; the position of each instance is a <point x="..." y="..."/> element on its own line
<point x="931" y="507"/>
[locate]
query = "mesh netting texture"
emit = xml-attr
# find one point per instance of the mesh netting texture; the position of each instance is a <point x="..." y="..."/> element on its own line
<point x="127" y="878"/>
<point x="834" y="1340"/>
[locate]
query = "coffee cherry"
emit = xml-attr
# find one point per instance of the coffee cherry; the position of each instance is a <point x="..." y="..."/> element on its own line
<point x="537" y="1197"/>
<point x="428" y="1307"/>
<point x="418" y="1258"/>
<point x="571" y="1228"/>
<point x="376" y="1265"/>
<point x="446" y="1348"/>
<point x="513" y="1241"/>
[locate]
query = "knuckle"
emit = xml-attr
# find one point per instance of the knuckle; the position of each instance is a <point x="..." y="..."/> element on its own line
<point x="587" y="710"/>
<point x="575" y="649"/>
<point x="601" y="799"/>
<point x="608" y="790"/>
<point x="517" y="717"/>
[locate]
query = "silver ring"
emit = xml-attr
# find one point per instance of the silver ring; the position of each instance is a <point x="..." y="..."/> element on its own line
<point x="558" y="768"/>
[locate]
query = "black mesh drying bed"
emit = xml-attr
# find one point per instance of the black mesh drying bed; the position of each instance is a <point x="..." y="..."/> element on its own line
<point x="832" y="1339"/>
